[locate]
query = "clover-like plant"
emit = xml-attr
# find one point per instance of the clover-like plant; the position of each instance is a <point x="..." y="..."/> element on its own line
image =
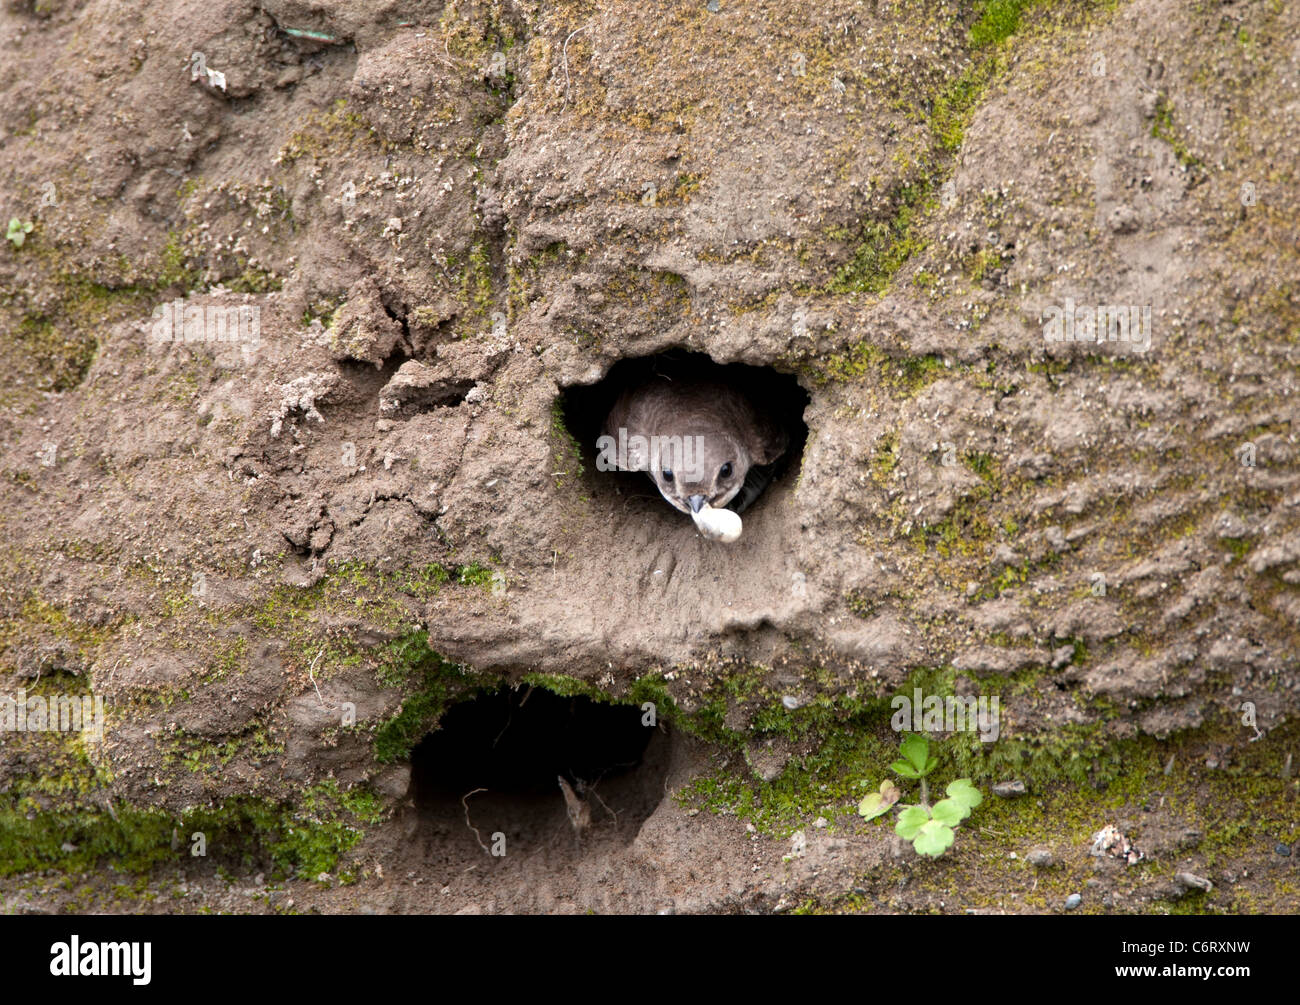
<point x="929" y="828"/>
<point x="18" y="231"/>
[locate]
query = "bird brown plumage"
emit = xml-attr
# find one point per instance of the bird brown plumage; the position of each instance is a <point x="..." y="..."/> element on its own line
<point x="699" y="440"/>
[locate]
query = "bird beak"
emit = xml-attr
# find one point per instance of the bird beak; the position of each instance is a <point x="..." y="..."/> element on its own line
<point x="697" y="503"/>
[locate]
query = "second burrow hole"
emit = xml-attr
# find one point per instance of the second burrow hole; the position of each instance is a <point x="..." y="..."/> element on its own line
<point x="511" y="747"/>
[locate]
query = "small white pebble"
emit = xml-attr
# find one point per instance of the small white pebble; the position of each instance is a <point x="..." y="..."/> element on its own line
<point x="718" y="524"/>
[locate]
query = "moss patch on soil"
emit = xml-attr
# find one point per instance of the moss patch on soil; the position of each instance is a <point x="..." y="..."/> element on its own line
<point x="306" y="838"/>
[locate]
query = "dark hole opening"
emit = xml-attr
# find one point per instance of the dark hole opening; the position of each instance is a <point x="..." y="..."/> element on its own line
<point x="519" y="741"/>
<point x="585" y="408"/>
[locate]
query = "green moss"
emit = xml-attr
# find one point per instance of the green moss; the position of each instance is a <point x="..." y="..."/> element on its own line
<point x="348" y="588"/>
<point x="964" y="532"/>
<point x="903" y="375"/>
<point x="650" y="688"/>
<point x="885" y="458"/>
<point x="882" y="246"/>
<point x="567" y="687"/>
<point x="998" y="21"/>
<point x="686" y="185"/>
<point x="37" y="617"/>
<point x="61" y="359"/>
<point x="653" y="688"/>
<point x="433" y="683"/>
<point x="253" y="280"/>
<point x="426" y="581"/>
<point x="884" y="242"/>
<point x="31" y="840"/>
<point x="56" y="345"/>
<point x="980" y="264"/>
<point x="307" y="836"/>
<point x="473" y="33"/>
<point x="657" y="289"/>
<point x="862" y="604"/>
<point x="1051" y="367"/>
<point x="173" y="272"/>
<point x="323" y="309"/>
<point x="851" y="743"/>
<point x="323" y="825"/>
<point x="1239" y="546"/>
<point x="331" y="134"/>
<point x="915" y="372"/>
<point x="352" y="590"/>
<point x="852" y="737"/>
<point x="476" y="574"/>
<point x="476" y="283"/>
<point x="198" y="755"/>
<point x="1163" y="127"/>
<point x="566" y="464"/>
<point x="229" y="659"/>
<point x="66" y="772"/>
<point x="984" y="465"/>
<point x="956" y="103"/>
<point x="1233" y="814"/>
<point x="550" y="254"/>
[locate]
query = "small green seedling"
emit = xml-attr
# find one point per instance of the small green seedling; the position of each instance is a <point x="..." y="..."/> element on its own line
<point x="929" y="828"/>
<point x="18" y="231"/>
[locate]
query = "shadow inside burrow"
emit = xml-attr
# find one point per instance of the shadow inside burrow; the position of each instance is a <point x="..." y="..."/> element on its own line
<point x="493" y="767"/>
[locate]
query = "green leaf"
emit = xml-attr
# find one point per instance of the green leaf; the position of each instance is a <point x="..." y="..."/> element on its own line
<point x="962" y="791"/>
<point x="930" y="765"/>
<point x="950" y="812"/>
<point x="934" y="839"/>
<point x="870" y="807"/>
<point x="879" y="803"/>
<point x="905" y="769"/>
<point x="910" y="822"/>
<point x="915" y="748"/>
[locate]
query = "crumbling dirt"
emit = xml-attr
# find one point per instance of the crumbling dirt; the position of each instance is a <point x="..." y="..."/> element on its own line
<point x="454" y="221"/>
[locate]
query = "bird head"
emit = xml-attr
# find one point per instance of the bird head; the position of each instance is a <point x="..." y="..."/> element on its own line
<point x="694" y="471"/>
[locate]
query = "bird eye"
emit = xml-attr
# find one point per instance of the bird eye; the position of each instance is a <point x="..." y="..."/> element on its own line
<point x="725" y="470"/>
<point x="668" y="475"/>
